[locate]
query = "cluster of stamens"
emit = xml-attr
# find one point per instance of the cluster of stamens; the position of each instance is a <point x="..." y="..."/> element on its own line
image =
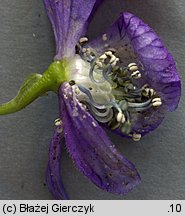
<point x="128" y="98"/>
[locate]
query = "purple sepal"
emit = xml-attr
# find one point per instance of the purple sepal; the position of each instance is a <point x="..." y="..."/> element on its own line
<point x="53" y="172"/>
<point x="135" y="41"/>
<point x="91" y="150"/>
<point x="160" y="67"/>
<point x="69" y="21"/>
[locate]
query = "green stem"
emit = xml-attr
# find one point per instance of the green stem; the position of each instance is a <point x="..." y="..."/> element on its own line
<point x="36" y="85"/>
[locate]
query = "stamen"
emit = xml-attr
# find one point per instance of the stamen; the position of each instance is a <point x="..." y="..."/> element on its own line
<point x="99" y="64"/>
<point x="136" y="75"/>
<point x="113" y="59"/>
<point x="140" y="109"/>
<point x="136" y="137"/>
<point x="148" y="92"/>
<point x="132" y="67"/>
<point x="106" y="118"/>
<point x="115" y="62"/>
<point x="58" y="122"/>
<point x="84" y="52"/>
<point x="88" y="93"/>
<point x="120" y="117"/>
<point x="138" y="105"/>
<point x="108" y="53"/>
<point x="106" y="71"/>
<point x="103" y="57"/>
<point x="102" y="113"/>
<point x="91" y="72"/>
<point x="83" y="40"/>
<point x="156" y="102"/>
<point x="116" y="106"/>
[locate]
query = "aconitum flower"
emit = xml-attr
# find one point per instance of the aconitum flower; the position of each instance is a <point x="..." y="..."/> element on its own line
<point x="124" y="80"/>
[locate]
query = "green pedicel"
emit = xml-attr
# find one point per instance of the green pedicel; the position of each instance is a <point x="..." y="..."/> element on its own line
<point x="35" y="86"/>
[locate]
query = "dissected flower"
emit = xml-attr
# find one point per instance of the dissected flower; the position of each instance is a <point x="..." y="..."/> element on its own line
<point x="124" y="80"/>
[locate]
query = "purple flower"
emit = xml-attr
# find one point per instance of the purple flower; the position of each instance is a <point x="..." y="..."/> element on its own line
<point x="124" y="80"/>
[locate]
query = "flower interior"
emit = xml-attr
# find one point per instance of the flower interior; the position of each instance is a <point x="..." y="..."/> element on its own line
<point x="109" y="85"/>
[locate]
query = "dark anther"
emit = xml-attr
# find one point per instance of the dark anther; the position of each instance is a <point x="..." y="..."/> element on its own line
<point x="72" y="82"/>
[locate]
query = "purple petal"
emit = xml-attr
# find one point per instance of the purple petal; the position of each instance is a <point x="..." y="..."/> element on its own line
<point x="136" y="42"/>
<point x="69" y="20"/>
<point x="53" y="172"/>
<point x="92" y="151"/>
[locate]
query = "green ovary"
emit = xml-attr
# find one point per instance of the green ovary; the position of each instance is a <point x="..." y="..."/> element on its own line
<point x="37" y="85"/>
